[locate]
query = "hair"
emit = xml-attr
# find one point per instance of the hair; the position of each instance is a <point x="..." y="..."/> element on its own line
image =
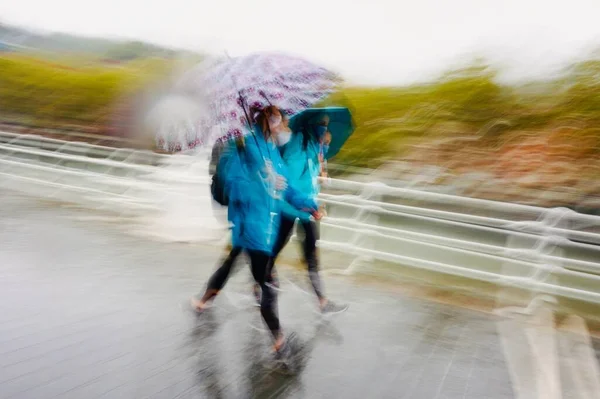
<point x="260" y="117"/>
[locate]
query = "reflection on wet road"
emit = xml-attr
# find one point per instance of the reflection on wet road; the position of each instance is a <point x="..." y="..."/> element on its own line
<point x="87" y="311"/>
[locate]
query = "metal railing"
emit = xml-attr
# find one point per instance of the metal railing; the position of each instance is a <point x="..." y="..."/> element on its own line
<point x="551" y="251"/>
<point x="80" y="148"/>
<point x="525" y="250"/>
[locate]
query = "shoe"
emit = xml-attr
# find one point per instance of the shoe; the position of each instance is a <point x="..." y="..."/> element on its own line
<point x="193" y="306"/>
<point x="333" y="308"/>
<point x="288" y="358"/>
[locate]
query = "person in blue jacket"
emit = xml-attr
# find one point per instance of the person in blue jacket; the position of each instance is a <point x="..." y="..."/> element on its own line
<point x="256" y="182"/>
<point x="304" y="153"/>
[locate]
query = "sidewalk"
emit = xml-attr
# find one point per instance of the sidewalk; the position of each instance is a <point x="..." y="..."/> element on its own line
<point x="87" y="311"/>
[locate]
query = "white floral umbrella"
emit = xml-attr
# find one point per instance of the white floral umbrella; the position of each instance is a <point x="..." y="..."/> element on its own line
<point x="230" y="86"/>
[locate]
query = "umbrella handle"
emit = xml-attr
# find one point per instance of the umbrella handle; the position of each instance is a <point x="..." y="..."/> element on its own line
<point x="263" y="95"/>
<point x="244" y="109"/>
<point x="242" y="100"/>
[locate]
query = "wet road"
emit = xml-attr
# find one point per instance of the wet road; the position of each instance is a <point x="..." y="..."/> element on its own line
<point x="88" y="311"/>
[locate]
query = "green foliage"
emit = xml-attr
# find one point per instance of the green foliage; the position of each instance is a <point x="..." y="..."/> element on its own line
<point x="462" y="102"/>
<point x="57" y="93"/>
<point x="468" y="102"/>
<point x="389" y="118"/>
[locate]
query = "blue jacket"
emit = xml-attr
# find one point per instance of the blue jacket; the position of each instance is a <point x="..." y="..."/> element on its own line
<point x="254" y="206"/>
<point x="303" y="171"/>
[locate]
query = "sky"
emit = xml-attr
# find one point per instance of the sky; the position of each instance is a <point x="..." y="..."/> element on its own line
<point x="371" y="42"/>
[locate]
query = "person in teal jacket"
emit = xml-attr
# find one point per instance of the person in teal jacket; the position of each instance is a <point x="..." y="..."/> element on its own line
<point x="303" y="153"/>
<point x="256" y="183"/>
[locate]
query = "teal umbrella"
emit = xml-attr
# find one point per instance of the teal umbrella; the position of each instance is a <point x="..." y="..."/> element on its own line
<point x="340" y="125"/>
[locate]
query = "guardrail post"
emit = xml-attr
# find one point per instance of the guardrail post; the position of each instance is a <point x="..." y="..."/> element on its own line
<point x="371" y="191"/>
<point x="535" y="369"/>
<point x="546" y="244"/>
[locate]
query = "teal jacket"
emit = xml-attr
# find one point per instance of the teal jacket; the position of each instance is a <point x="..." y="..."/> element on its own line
<point x="303" y="171"/>
<point x="254" y="207"/>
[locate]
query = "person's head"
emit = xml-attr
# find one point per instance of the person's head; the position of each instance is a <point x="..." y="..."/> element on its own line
<point x="284" y="135"/>
<point x="323" y="134"/>
<point x="269" y="120"/>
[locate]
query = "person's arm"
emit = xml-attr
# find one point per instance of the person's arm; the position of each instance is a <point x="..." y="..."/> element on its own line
<point x="303" y="202"/>
<point x="300" y="200"/>
<point x="294" y="197"/>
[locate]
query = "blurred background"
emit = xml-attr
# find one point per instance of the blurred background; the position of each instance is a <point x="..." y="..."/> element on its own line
<point x="455" y="103"/>
<point x="496" y="100"/>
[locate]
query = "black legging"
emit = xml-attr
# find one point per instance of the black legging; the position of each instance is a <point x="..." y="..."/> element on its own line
<point x="217" y="281"/>
<point x="309" y="247"/>
<point x="260" y="262"/>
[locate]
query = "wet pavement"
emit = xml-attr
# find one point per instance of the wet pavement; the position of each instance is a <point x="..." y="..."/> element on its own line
<point x="88" y="311"/>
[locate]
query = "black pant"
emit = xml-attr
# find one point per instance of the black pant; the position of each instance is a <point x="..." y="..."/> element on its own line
<point x="260" y="263"/>
<point x="219" y="277"/>
<point x="309" y="247"/>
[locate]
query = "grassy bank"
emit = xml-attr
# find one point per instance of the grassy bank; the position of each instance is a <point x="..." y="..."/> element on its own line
<point x="467" y="102"/>
<point x="72" y="92"/>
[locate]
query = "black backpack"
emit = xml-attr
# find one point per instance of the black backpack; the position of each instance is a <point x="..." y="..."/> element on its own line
<point x="217" y="165"/>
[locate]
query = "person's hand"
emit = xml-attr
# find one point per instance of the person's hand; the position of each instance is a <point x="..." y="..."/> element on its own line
<point x="280" y="183"/>
<point x="320" y="213"/>
<point x="324" y="181"/>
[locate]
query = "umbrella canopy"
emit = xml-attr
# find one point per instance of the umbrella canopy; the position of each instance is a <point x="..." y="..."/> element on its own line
<point x="340" y="125"/>
<point x="232" y="85"/>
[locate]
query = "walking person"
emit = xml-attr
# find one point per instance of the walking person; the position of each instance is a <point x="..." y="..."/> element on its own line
<point x="256" y="184"/>
<point x="304" y="152"/>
